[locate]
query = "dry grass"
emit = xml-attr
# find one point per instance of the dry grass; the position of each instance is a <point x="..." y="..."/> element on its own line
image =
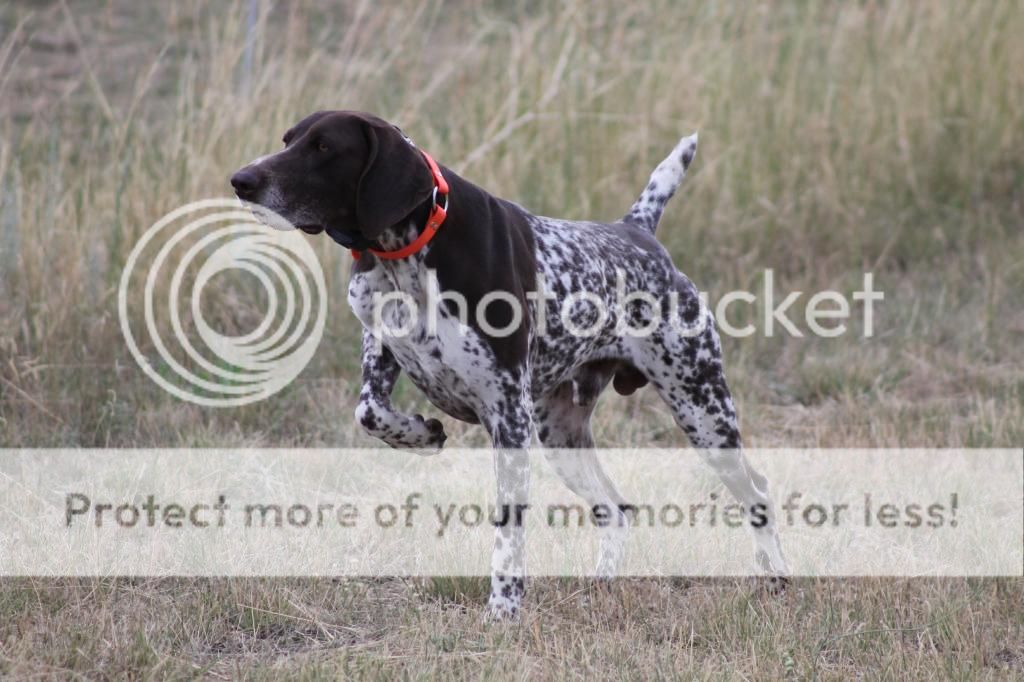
<point x="890" y="629"/>
<point x="835" y="138"/>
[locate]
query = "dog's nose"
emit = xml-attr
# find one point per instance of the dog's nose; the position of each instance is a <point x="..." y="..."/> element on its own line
<point x="246" y="181"/>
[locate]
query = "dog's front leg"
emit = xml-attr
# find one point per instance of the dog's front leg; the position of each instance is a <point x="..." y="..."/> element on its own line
<point x="511" y="428"/>
<point x="375" y="413"/>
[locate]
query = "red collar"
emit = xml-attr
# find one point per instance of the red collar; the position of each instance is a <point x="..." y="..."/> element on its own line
<point x="437" y="215"/>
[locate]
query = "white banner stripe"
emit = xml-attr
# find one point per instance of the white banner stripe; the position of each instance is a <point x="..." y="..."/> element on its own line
<point x="361" y="512"/>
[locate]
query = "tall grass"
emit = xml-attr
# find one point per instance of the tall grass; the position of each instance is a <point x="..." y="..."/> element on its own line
<point x="835" y="137"/>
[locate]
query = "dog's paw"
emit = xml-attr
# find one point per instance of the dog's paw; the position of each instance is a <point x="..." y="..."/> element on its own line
<point x="433" y="437"/>
<point x="775" y="576"/>
<point x="501" y="610"/>
<point x="423" y="437"/>
<point x="775" y="585"/>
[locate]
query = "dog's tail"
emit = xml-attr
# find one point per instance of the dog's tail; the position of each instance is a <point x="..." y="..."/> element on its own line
<point x="665" y="180"/>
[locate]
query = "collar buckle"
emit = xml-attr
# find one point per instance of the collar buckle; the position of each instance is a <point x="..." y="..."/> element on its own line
<point x="433" y="200"/>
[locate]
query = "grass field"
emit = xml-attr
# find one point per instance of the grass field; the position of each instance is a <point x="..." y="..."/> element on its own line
<point x="836" y="138"/>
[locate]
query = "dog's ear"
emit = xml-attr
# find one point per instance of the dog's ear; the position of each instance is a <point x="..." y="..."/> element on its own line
<point x="394" y="182"/>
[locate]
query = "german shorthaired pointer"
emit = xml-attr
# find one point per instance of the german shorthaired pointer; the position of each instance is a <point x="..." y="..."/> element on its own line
<point x="510" y="369"/>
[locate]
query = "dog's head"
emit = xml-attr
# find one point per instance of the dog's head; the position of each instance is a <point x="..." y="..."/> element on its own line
<point x="350" y="174"/>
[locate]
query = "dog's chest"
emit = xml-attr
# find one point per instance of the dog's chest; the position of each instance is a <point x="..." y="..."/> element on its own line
<point x="443" y="359"/>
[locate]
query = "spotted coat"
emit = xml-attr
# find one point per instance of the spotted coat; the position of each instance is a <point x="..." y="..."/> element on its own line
<point x="545" y="376"/>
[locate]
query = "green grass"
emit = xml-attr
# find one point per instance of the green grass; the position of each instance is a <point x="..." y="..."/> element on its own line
<point x="836" y="138"/>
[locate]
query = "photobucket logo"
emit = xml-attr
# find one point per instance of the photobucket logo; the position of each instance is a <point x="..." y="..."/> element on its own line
<point x="617" y="310"/>
<point x="208" y="249"/>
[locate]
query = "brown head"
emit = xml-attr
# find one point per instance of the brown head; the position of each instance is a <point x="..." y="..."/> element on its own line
<point x="350" y="174"/>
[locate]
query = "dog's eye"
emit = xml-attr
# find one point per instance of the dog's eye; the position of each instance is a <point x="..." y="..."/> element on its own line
<point x="322" y="146"/>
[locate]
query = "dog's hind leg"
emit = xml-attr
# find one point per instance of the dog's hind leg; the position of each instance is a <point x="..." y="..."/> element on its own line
<point x="687" y="372"/>
<point x="563" y="425"/>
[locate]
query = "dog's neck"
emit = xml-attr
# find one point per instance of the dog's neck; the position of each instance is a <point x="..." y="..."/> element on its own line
<point x="484" y="245"/>
<point x="462" y="233"/>
<point x="406" y="231"/>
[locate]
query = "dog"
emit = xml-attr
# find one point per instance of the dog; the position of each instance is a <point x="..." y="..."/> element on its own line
<point x="365" y="184"/>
